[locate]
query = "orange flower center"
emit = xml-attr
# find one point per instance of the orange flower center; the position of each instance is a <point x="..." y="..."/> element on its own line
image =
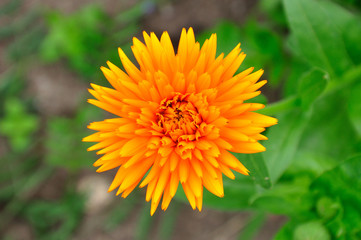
<point x="179" y="117"/>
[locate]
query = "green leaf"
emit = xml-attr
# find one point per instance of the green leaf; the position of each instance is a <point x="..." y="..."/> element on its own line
<point x="274" y="10"/>
<point x="257" y="167"/>
<point x="317" y="38"/>
<point x="343" y="181"/>
<point x="283" y="142"/>
<point x="168" y="221"/>
<point x="354" y="107"/>
<point x="343" y="184"/>
<point x="120" y="213"/>
<point x="261" y="44"/>
<point x="332" y="137"/>
<point x="311" y="231"/>
<point x="17" y="124"/>
<point x="297" y="69"/>
<point x="56" y="220"/>
<point x="291" y="198"/>
<point x="252" y="226"/>
<point x="352" y="33"/>
<point x="144" y="223"/>
<point x="228" y="36"/>
<point x="237" y="194"/>
<point x="311" y="85"/>
<point x="285" y="232"/>
<point x="327" y="208"/>
<point x="71" y="153"/>
<point x="10" y="7"/>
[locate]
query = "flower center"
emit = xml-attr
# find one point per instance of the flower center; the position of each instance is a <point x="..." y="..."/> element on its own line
<point x="179" y="118"/>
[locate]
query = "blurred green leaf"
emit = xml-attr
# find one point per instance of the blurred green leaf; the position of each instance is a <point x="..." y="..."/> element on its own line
<point x="284" y="142"/>
<point x="297" y="69"/>
<point x="262" y="46"/>
<point x="352" y="33"/>
<point x="289" y="197"/>
<point x="264" y="50"/>
<point x="27" y="44"/>
<point x="343" y="181"/>
<point x="257" y="167"/>
<point x="56" y="220"/>
<point x="310" y="162"/>
<point x="237" y="194"/>
<point x="274" y="10"/>
<point x="311" y="231"/>
<point x="312" y="30"/>
<point x="24" y="188"/>
<point x="252" y="226"/>
<point x="168" y="221"/>
<point x="19" y="26"/>
<point x="228" y="36"/>
<point x="17" y="124"/>
<point x="131" y="15"/>
<point x="311" y="85"/>
<point x="71" y="153"/>
<point x="329" y="133"/>
<point x="344" y="184"/>
<point x="75" y="37"/>
<point x="10" y="6"/>
<point x="11" y="84"/>
<point x="119" y="213"/>
<point x="285" y="232"/>
<point x="89" y="37"/>
<point x="144" y="223"/>
<point x="327" y="208"/>
<point x="354" y="106"/>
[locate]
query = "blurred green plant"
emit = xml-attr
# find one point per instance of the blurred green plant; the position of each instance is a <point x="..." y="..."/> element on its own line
<point x="17" y="124"/>
<point x="88" y="37"/>
<point x="77" y="37"/>
<point x="261" y="44"/>
<point x="63" y="141"/>
<point x="319" y="120"/>
<point x="311" y="171"/>
<point x="56" y="220"/>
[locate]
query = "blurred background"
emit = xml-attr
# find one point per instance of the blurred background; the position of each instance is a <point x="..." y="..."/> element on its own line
<point x="51" y="50"/>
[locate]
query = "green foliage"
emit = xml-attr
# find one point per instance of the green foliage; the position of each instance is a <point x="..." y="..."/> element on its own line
<point x="319" y="123"/>
<point x="354" y="107"/>
<point x="144" y="223"/>
<point x="311" y="231"/>
<point x="311" y="171"/>
<point x="18" y="125"/>
<point x="252" y="227"/>
<point x="71" y="152"/>
<point x="10" y="7"/>
<point x="56" y="220"/>
<point x="286" y="137"/>
<point x="119" y="213"/>
<point x="262" y="46"/>
<point x="75" y="37"/>
<point x="257" y="167"/>
<point x="351" y="35"/>
<point x="274" y="10"/>
<point x="89" y="37"/>
<point x="312" y="29"/>
<point x="311" y="85"/>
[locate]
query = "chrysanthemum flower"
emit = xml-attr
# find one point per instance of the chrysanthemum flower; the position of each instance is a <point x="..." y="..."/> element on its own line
<point x="178" y="117"/>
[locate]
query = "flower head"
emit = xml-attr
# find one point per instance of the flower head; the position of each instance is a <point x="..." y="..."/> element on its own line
<point x="178" y="116"/>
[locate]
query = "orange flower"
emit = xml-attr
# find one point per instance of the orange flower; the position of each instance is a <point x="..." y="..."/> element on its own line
<point x="178" y="116"/>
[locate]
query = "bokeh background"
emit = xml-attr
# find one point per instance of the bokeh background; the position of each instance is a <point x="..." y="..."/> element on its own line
<point x="51" y="50"/>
